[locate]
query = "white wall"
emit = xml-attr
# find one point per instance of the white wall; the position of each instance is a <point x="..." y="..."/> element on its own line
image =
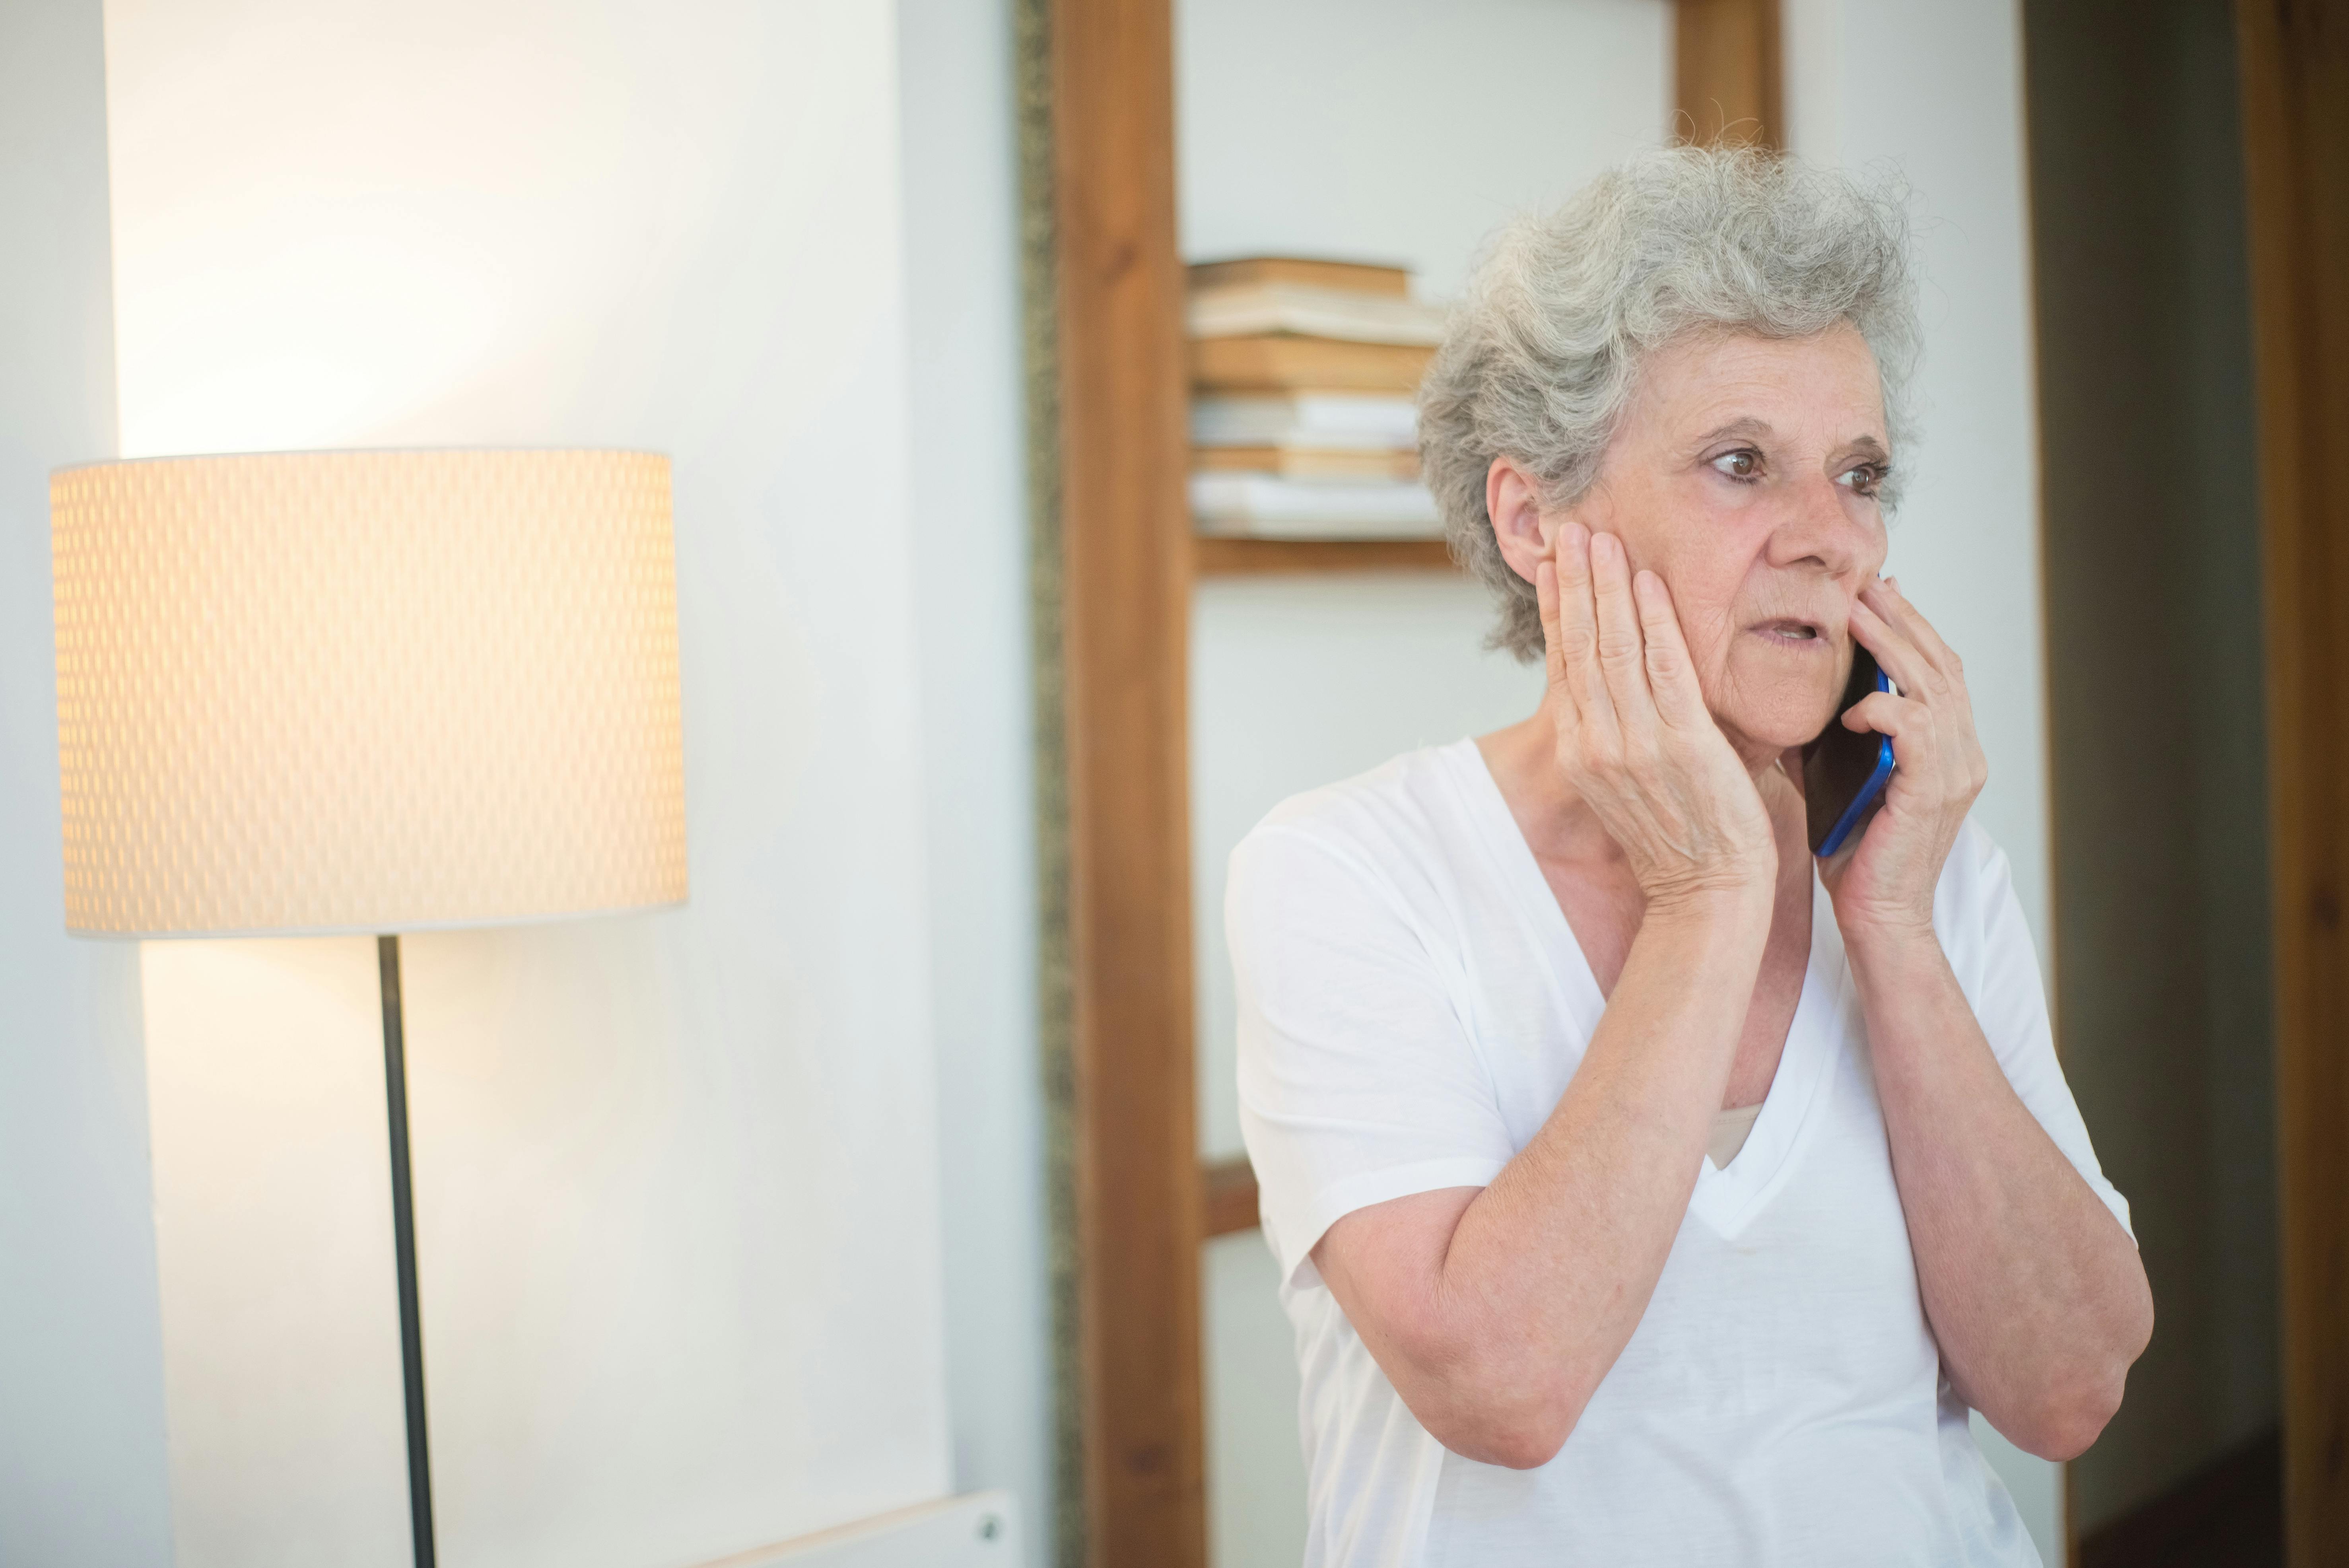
<point x="1393" y="130"/>
<point x="81" y="1388"/>
<point x="1256" y="1461"/>
<point x="1934" y="90"/>
<point x="678" y="1183"/>
<point x="971" y="586"/>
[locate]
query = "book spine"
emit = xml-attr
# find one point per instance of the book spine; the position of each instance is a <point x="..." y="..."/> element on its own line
<point x="1289" y="364"/>
<point x="1352" y="277"/>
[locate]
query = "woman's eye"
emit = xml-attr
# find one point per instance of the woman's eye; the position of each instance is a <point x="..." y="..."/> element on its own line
<point x="1864" y="479"/>
<point x="1739" y="465"/>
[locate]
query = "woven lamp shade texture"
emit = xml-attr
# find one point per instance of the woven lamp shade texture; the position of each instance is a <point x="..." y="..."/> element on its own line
<point x="366" y="691"/>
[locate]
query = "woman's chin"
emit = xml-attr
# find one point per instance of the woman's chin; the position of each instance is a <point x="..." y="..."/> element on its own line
<point x="1767" y="729"/>
<point x="1770" y="697"/>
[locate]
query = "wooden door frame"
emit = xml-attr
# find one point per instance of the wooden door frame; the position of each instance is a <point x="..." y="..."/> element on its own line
<point x="2294" y="58"/>
<point x="1111" y="604"/>
<point x="1113" y="562"/>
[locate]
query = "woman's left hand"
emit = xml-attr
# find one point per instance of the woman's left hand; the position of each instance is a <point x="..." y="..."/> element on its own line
<point x="1884" y="883"/>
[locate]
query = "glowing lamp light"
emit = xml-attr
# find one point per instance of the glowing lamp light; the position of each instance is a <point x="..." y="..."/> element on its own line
<point x="315" y="692"/>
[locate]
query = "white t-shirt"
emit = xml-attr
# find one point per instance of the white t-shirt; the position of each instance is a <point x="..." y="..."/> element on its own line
<point x="1412" y="1005"/>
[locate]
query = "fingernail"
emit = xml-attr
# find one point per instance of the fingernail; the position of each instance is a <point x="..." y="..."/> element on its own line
<point x="1576" y="536"/>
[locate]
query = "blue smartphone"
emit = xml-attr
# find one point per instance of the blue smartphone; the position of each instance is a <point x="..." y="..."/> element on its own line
<point x="1845" y="770"/>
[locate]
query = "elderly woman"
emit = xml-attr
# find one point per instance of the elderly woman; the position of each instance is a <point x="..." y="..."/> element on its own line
<point x="1648" y="1192"/>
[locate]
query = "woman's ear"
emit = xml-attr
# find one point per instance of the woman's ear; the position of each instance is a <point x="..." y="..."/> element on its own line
<point x="1514" y="502"/>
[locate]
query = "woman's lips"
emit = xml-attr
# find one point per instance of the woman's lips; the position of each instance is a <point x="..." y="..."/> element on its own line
<point x="1791" y="633"/>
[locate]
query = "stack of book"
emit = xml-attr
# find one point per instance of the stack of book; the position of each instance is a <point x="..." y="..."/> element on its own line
<point x="1301" y="422"/>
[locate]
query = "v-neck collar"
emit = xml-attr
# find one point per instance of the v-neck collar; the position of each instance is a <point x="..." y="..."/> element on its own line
<point x="1726" y="1200"/>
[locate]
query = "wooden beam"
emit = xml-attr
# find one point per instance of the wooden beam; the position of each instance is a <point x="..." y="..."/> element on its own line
<point x="1726" y="74"/>
<point x="2294" y="58"/>
<point x="1229" y="1187"/>
<point x="1125" y="565"/>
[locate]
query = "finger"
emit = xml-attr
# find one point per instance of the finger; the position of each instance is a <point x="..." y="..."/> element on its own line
<point x="1564" y="711"/>
<point x="1545" y="596"/>
<point x="1899" y="657"/>
<point x="1622" y="651"/>
<point x="1884" y="596"/>
<point x="1671" y="674"/>
<point x="1578" y="628"/>
<point x="1910" y="724"/>
<point x="1955" y="699"/>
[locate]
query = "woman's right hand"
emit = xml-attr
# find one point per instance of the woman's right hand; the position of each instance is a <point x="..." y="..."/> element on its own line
<point x="1634" y="737"/>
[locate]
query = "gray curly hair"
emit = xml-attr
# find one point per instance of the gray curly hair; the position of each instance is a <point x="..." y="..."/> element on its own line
<point x="1542" y="352"/>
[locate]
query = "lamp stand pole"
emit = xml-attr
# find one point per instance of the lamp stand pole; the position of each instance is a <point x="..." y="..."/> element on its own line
<point x="403" y="1237"/>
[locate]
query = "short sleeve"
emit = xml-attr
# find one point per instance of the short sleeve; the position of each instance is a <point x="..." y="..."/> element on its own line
<point x="1998" y="970"/>
<point x="1360" y="1080"/>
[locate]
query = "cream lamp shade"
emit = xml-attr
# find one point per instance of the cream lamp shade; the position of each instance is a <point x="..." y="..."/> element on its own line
<point x="388" y="691"/>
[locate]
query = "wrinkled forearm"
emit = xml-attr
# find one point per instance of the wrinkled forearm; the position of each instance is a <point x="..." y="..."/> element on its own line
<point x="2035" y="1291"/>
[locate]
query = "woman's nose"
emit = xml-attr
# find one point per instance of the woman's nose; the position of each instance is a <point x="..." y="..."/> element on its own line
<point x="1821" y="525"/>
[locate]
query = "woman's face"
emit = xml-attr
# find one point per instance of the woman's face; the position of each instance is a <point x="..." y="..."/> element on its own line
<point x="1744" y="474"/>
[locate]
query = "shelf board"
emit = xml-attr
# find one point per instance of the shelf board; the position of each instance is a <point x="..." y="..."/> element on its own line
<point x="1220" y="557"/>
<point x="1230" y="1195"/>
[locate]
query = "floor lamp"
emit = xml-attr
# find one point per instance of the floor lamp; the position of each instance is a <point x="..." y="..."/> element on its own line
<point x="310" y="692"/>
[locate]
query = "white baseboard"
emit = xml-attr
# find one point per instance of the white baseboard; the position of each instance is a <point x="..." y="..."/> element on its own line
<point x="979" y="1529"/>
